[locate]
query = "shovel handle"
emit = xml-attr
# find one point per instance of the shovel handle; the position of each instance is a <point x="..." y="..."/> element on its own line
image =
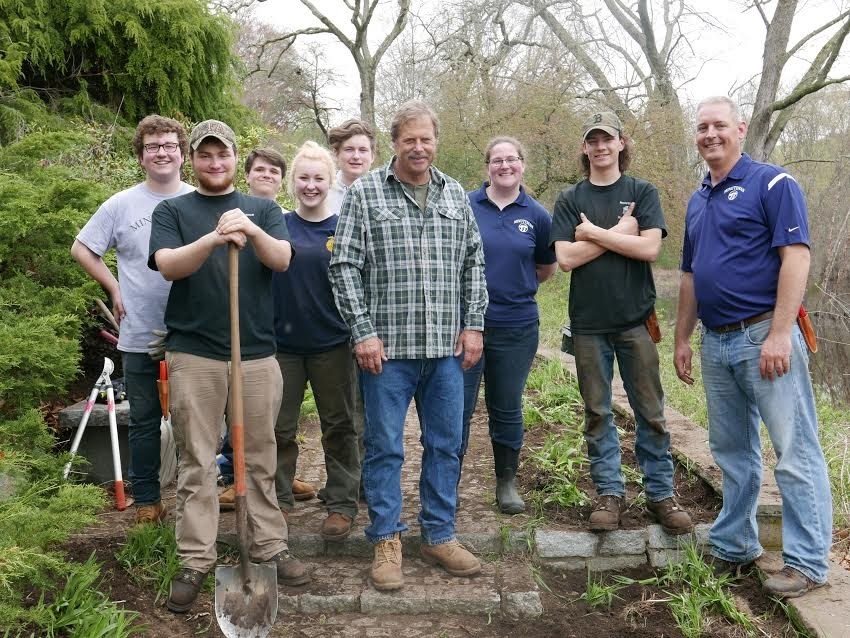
<point x="237" y="428"/>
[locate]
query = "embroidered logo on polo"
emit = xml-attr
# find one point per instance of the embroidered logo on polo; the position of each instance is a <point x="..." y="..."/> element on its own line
<point x="733" y="191"/>
<point x="523" y="225"/>
<point x="330" y="244"/>
<point x="625" y="206"/>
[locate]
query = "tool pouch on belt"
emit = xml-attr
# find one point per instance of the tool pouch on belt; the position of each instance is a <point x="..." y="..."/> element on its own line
<point x="652" y="326"/>
<point x="808" y="330"/>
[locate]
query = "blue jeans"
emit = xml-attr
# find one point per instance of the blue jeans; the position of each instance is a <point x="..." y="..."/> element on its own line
<point x="637" y="358"/>
<point x="437" y="385"/>
<point x="738" y="398"/>
<point x="509" y="353"/>
<point x="140" y="375"/>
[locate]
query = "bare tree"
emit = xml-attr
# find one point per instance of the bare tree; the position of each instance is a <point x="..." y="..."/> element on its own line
<point x="286" y="87"/>
<point x="772" y="112"/>
<point x="362" y="13"/>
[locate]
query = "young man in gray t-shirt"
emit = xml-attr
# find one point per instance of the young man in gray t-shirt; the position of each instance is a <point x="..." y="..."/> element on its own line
<point x="139" y="294"/>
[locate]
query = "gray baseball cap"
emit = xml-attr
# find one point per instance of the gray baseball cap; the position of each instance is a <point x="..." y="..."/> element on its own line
<point x="604" y="121"/>
<point x="212" y="128"/>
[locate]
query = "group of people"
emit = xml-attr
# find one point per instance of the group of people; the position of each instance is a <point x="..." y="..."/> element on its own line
<point x="394" y="285"/>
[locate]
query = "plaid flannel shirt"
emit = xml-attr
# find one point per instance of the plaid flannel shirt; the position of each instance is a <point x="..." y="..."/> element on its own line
<point x="404" y="274"/>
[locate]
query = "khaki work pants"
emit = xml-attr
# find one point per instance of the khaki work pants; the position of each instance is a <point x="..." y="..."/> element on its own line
<point x="200" y="390"/>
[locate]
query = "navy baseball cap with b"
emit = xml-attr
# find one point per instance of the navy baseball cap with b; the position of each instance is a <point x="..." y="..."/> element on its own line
<point x="603" y="121"/>
<point x="212" y="128"/>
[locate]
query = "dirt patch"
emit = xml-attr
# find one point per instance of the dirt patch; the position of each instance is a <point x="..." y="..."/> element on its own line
<point x="637" y="610"/>
<point x="154" y="617"/>
<point x="693" y="494"/>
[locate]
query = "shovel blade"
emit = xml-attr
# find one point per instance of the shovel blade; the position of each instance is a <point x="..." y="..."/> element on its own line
<point x="246" y="609"/>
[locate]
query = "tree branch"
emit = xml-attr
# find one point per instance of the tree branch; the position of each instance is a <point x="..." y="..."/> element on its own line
<point x="812" y="34"/>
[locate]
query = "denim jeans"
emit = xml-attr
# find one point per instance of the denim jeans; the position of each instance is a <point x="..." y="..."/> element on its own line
<point x="508" y="353"/>
<point x="437" y="385"/>
<point x="637" y="358"/>
<point x="738" y="398"/>
<point x="140" y="375"/>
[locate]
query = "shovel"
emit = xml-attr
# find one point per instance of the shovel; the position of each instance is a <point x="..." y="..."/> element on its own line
<point x="246" y="594"/>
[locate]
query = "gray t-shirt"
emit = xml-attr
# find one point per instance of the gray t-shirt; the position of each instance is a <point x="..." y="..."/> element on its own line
<point x="123" y="222"/>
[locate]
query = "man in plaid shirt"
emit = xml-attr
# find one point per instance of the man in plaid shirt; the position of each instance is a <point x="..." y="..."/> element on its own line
<point x="407" y="261"/>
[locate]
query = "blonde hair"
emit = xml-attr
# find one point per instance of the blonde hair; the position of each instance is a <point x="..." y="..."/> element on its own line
<point x="309" y="150"/>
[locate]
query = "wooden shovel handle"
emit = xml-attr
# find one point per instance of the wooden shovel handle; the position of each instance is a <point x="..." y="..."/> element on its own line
<point x="237" y="430"/>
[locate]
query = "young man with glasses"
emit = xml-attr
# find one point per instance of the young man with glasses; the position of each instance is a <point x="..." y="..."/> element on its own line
<point x="138" y="295"/>
<point x="606" y="230"/>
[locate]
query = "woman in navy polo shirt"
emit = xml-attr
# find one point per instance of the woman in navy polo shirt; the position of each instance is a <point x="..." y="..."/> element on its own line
<point x="515" y="232"/>
<point x="313" y="345"/>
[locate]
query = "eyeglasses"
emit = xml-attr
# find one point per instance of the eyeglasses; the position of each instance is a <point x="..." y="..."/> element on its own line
<point x="510" y="161"/>
<point x="168" y="147"/>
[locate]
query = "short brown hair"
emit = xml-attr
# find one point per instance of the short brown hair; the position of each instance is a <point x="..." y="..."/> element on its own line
<point x="156" y="125"/>
<point x="504" y="139"/>
<point x="624" y="159"/>
<point x="412" y="110"/>
<point x="268" y="154"/>
<point x="338" y="134"/>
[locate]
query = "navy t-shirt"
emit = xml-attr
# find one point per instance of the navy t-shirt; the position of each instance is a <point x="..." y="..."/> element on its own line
<point x="515" y="240"/>
<point x="732" y="234"/>
<point x="306" y="320"/>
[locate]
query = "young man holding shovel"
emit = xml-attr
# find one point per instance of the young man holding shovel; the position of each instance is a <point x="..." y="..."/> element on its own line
<point x="606" y="231"/>
<point x="139" y="294"/>
<point x="189" y="246"/>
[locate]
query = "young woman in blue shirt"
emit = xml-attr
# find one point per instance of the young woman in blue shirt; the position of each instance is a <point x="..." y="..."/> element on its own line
<point x="515" y="232"/>
<point x="313" y="345"/>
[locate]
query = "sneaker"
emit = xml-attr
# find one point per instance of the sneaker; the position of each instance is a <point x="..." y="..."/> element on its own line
<point x="227" y="499"/>
<point x="386" y="565"/>
<point x="184" y="589"/>
<point x="673" y="519"/>
<point x="729" y="568"/>
<point x="336" y="527"/>
<point x="290" y="570"/>
<point x="606" y="513"/>
<point x="451" y="556"/>
<point x="302" y="491"/>
<point x="789" y="583"/>
<point x="153" y="513"/>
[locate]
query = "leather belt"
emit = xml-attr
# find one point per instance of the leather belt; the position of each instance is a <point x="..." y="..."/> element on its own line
<point x="740" y="325"/>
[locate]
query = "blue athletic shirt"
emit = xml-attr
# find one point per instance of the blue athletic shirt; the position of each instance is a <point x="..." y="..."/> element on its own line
<point x="515" y="240"/>
<point x="306" y="320"/>
<point x="732" y="235"/>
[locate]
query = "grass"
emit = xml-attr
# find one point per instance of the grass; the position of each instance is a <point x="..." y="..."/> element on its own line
<point x="150" y="558"/>
<point x="600" y="594"/>
<point x="79" y="609"/>
<point x="696" y="596"/>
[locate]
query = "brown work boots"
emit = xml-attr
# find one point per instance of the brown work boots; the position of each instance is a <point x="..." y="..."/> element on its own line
<point x="152" y="513"/>
<point x="336" y="527"/>
<point x="673" y="519"/>
<point x="451" y="556"/>
<point x="606" y="513"/>
<point x="386" y="566"/>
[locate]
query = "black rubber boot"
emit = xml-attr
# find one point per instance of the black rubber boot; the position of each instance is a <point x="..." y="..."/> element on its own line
<point x="506" y="461"/>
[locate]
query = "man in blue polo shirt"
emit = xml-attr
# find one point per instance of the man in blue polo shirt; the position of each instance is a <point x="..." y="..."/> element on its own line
<point x="745" y="263"/>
